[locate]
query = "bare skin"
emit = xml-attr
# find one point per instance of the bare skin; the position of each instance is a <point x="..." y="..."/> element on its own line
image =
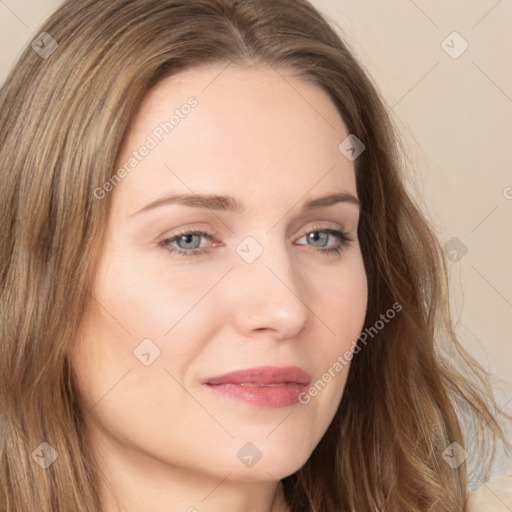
<point x="167" y="442"/>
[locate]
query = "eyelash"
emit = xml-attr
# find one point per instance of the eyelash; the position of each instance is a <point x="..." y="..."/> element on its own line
<point x="342" y="236"/>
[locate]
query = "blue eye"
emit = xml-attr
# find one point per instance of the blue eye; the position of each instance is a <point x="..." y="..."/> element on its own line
<point x="188" y="243"/>
<point x="322" y="236"/>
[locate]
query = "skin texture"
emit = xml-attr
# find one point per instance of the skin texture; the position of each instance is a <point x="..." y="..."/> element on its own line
<point x="495" y="496"/>
<point x="164" y="441"/>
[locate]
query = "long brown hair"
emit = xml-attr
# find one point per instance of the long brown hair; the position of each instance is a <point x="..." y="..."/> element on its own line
<point x="63" y="116"/>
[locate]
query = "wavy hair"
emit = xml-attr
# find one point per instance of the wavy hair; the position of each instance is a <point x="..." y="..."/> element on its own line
<point x="62" y="121"/>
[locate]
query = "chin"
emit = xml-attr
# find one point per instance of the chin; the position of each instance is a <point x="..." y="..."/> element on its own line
<point x="265" y="472"/>
<point x="270" y="462"/>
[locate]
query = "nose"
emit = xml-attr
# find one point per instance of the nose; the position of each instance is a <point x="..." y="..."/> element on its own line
<point x="269" y="295"/>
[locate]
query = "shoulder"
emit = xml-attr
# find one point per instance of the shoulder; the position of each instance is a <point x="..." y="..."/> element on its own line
<point x="501" y="464"/>
<point x="494" y="493"/>
<point x="495" y="496"/>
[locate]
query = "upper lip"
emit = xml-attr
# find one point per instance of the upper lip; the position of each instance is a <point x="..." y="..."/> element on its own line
<point x="263" y="376"/>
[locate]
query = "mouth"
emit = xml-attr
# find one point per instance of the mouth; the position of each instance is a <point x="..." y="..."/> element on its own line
<point x="267" y="386"/>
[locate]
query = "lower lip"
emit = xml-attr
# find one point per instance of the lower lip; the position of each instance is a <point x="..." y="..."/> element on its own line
<point x="271" y="397"/>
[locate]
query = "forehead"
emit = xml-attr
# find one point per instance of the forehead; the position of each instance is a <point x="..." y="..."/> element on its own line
<point x="250" y="131"/>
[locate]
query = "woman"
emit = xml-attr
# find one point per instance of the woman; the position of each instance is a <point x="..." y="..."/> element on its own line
<point x="216" y="292"/>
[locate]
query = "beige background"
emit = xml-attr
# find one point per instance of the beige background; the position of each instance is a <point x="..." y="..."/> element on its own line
<point x="455" y="117"/>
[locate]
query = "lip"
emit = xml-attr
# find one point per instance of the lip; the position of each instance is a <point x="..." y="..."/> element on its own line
<point x="265" y="386"/>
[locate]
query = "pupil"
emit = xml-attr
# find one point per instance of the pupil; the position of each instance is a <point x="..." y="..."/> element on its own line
<point x="187" y="239"/>
<point x="316" y="236"/>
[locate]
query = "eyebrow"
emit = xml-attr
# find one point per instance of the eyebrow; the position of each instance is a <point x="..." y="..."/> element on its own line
<point x="231" y="204"/>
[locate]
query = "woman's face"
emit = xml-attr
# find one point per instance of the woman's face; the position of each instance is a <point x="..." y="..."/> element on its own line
<point x="189" y="290"/>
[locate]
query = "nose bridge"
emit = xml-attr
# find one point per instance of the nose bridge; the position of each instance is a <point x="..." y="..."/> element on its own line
<point x="270" y="294"/>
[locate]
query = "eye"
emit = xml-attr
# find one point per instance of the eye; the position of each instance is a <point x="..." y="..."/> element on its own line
<point x="188" y="243"/>
<point x="319" y="237"/>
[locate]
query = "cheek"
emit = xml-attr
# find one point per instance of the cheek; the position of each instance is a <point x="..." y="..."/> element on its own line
<point x="146" y="299"/>
<point x="341" y="305"/>
<point x="141" y="314"/>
